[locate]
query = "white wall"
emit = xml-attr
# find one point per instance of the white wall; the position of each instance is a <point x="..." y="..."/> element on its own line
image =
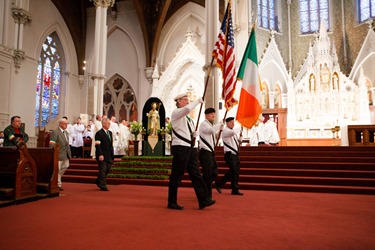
<point x="19" y="89"/>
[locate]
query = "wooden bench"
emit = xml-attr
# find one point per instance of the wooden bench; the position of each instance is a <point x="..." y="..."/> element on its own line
<point x="47" y="164"/>
<point x="361" y="135"/>
<point x="18" y="174"/>
<point x="43" y="138"/>
<point x="86" y="149"/>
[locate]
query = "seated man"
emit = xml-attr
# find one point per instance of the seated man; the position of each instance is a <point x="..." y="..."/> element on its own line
<point x="14" y="134"/>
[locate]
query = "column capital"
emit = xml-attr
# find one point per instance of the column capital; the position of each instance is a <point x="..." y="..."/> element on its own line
<point x="18" y="57"/>
<point x="103" y="3"/>
<point x="97" y="77"/>
<point x="21" y="15"/>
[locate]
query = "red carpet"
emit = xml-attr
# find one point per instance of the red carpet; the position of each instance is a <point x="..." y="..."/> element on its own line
<point x="136" y="217"/>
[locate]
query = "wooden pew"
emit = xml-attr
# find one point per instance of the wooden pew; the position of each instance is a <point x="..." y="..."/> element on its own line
<point x="18" y="174"/>
<point x="361" y="135"/>
<point x="43" y="138"/>
<point x="47" y="164"/>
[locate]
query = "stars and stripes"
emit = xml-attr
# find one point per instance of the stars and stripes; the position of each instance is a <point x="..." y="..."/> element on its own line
<point x="225" y="58"/>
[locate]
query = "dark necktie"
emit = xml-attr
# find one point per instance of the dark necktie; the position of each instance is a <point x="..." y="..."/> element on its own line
<point x="65" y="135"/>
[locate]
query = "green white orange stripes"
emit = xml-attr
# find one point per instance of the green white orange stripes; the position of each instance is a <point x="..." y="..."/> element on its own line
<point x="249" y="107"/>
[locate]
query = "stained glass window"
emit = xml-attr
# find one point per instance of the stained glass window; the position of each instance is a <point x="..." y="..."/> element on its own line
<point x="312" y="13"/>
<point x="267" y="17"/>
<point x="366" y="9"/>
<point x="48" y="81"/>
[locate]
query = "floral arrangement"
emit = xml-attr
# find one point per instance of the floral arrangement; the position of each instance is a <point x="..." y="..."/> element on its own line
<point x="136" y="128"/>
<point x="168" y="128"/>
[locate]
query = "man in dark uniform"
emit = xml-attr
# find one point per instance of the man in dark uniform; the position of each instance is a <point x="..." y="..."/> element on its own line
<point x="231" y="146"/>
<point x="208" y="133"/>
<point x="185" y="154"/>
<point x="104" y="153"/>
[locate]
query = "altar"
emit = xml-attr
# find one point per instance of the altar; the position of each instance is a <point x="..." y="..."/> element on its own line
<point x="322" y="97"/>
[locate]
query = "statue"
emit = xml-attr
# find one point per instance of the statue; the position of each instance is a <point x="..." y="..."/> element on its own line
<point x="153" y="120"/>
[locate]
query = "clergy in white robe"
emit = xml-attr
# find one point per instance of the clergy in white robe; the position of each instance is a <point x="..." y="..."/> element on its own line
<point x="123" y="138"/>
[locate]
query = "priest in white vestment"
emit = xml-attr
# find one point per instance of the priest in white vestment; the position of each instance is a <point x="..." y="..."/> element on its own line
<point x="123" y="138"/>
<point x="115" y="134"/>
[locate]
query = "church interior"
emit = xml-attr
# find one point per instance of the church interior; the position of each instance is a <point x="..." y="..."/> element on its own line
<point x="109" y="57"/>
<point x="311" y="186"/>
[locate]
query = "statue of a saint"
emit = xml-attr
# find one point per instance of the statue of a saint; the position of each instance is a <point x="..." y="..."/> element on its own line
<point x="153" y="120"/>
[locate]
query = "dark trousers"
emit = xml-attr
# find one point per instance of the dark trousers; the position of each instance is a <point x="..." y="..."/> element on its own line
<point x="104" y="169"/>
<point x="185" y="158"/>
<point x="209" y="169"/>
<point x="76" y="151"/>
<point x="233" y="162"/>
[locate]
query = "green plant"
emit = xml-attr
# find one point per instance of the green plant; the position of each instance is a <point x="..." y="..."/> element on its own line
<point x="148" y="158"/>
<point x="139" y="176"/>
<point x="168" y="128"/>
<point x="141" y="170"/>
<point x="136" y="128"/>
<point x="142" y="163"/>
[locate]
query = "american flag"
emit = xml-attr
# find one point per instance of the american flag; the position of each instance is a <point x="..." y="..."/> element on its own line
<point x="225" y="58"/>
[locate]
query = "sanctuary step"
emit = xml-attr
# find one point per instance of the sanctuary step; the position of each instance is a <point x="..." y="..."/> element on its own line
<point x="299" y="169"/>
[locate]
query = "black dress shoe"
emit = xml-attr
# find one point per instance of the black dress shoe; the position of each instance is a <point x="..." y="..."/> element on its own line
<point x="175" y="206"/>
<point x="104" y="189"/>
<point x="237" y="193"/>
<point x="206" y="203"/>
<point x="218" y="188"/>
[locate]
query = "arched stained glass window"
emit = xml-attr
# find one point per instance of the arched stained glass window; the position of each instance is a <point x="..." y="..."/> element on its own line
<point x="48" y="81"/>
<point x="366" y="9"/>
<point x="267" y="16"/>
<point x="312" y="13"/>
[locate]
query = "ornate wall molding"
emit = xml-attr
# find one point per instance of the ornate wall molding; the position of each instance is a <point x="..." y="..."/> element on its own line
<point x="20" y="15"/>
<point x="103" y="3"/>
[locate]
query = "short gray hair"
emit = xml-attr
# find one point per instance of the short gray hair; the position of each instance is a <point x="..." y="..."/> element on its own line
<point x="63" y="120"/>
<point x="105" y="120"/>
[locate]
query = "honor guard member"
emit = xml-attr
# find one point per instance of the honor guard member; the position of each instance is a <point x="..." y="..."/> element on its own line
<point x="208" y="133"/>
<point x="185" y="154"/>
<point x="231" y="146"/>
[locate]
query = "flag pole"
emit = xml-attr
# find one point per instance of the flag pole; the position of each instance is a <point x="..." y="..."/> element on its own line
<point x="204" y="92"/>
<point x="209" y="71"/>
<point x="218" y="137"/>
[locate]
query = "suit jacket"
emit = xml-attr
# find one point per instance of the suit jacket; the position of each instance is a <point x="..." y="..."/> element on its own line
<point x="104" y="146"/>
<point x="58" y="137"/>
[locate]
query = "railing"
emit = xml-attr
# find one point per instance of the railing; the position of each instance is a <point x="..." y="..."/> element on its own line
<point x="361" y="135"/>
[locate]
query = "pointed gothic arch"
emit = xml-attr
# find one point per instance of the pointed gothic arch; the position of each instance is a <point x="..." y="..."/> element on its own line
<point x="277" y="97"/>
<point x="265" y="96"/>
<point x="48" y="84"/>
<point x="119" y="99"/>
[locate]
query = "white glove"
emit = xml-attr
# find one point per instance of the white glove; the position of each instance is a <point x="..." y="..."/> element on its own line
<point x="195" y="134"/>
<point x="221" y="127"/>
<point x="200" y="100"/>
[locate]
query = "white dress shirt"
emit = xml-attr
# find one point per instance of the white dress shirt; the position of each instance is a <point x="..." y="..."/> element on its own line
<point x="181" y="124"/>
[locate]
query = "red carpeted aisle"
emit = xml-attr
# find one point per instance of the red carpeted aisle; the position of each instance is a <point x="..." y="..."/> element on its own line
<point x="136" y="217"/>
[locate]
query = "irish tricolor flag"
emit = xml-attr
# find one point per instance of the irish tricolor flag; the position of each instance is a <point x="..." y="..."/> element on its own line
<point x="249" y="107"/>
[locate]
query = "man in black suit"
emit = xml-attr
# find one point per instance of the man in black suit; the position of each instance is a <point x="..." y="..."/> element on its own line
<point x="104" y="153"/>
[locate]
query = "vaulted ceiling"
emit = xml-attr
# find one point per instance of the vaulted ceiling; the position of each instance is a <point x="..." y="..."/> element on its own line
<point x="152" y="15"/>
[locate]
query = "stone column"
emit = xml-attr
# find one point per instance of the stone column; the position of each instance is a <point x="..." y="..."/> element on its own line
<point x="21" y="16"/>
<point x="100" y="52"/>
<point x="212" y="30"/>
